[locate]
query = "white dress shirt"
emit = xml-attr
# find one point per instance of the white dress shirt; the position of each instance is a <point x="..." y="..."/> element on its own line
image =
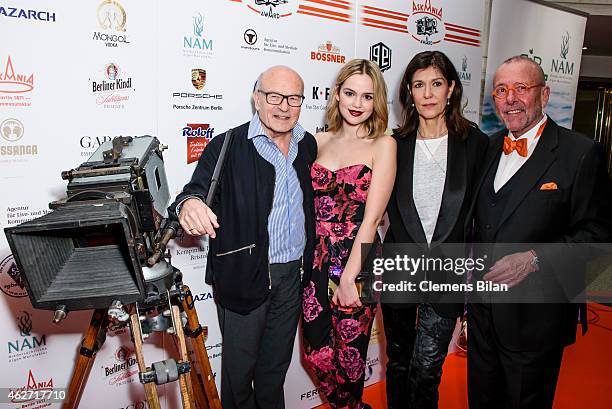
<point x="511" y="163"/>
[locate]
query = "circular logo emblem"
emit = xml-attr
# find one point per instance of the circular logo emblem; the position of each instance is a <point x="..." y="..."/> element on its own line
<point x="426" y="27"/>
<point x="111" y="71"/>
<point x="122" y="354"/>
<point x="273" y="9"/>
<point x="11" y="282"/>
<point x="250" y="36"/>
<point x="111" y="15"/>
<point x="11" y="129"/>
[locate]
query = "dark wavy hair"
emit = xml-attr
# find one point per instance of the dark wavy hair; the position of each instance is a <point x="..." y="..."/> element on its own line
<point x="455" y="121"/>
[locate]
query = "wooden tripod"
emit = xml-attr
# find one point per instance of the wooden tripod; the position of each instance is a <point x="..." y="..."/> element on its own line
<point x="198" y="391"/>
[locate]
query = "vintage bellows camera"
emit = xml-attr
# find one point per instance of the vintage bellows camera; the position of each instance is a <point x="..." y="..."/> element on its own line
<point x="91" y="250"/>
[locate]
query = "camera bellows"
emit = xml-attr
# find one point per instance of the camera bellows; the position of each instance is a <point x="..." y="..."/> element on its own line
<point x="81" y="255"/>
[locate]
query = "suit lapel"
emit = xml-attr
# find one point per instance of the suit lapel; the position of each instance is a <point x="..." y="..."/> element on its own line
<point x="403" y="190"/>
<point x="454" y="188"/>
<point x="533" y="169"/>
<point x="493" y="152"/>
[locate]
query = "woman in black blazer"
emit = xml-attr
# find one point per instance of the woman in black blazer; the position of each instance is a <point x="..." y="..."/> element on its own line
<point x="439" y="153"/>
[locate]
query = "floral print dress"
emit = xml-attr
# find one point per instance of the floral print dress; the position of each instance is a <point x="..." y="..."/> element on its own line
<point x="336" y="342"/>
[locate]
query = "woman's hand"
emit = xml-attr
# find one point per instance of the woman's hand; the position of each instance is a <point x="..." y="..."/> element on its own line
<point x="346" y="295"/>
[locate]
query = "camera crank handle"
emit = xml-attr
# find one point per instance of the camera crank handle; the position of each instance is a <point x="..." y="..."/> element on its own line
<point x="169" y="233"/>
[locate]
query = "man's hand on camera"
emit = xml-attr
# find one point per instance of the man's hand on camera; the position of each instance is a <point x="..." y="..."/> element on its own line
<point x="197" y="219"/>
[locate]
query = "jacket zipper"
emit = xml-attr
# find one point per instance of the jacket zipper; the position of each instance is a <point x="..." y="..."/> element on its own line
<point x="269" y="277"/>
<point x="302" y="271"/>
<point x="250" y="247"/>
<point x="271" y="205"/>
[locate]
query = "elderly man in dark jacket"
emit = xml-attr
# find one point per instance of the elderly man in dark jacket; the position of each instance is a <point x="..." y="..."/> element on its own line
<point x="261" y="230"/>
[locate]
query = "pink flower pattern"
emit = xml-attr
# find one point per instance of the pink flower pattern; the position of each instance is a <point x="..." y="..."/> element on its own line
<point x="351" y="361"/>
<point x="322" y="359"/>
<point x="310" y="305"/>
<point x="324" y="206"/>
<point x="339" y="360"/>
<point x="348" y="329"/>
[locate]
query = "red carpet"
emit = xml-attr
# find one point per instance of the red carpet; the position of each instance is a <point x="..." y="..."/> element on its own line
<point x="585" y="381"/>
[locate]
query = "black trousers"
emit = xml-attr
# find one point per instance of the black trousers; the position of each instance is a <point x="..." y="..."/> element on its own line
<point x="257" y="347"/>
<point x="499" y="378"/>
<point x="416" y="349"/>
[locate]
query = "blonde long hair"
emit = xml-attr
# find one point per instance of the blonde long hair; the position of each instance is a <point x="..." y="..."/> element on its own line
<point x="376" y="124"/>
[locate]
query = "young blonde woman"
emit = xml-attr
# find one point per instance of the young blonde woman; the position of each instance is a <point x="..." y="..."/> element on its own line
<point x="352" y="180"/>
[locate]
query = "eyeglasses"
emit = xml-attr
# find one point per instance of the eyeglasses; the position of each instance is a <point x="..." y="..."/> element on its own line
<point x="501" y="91"/>
<point x="274" y="98"/>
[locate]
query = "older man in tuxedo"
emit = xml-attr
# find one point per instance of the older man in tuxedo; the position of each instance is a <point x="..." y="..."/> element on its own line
<point x="542" y="183"/>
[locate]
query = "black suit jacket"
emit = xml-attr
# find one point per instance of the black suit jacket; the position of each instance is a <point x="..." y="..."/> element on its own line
<point x="237" y="264"/>
<point x="463" y="171"/>
<point x="578" y="211"/>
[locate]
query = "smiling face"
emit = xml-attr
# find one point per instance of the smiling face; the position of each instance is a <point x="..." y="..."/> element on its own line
<point x="278" y="120"/>
<point x="430" y="91"/>
<point x="520" y="113"/>
<point x="356" y="99"/>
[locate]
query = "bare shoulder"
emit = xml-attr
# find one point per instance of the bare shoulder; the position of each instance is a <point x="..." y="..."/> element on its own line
<point x="322" y="137"/>
<point x="384" y="152"/>
<point x="384" y="144"/>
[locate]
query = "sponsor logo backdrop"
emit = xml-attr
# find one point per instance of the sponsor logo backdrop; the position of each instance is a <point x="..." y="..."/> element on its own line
<point x="76" y="74"/>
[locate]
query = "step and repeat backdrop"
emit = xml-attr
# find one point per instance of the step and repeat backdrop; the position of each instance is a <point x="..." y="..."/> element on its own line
<point x="74" y="75"/>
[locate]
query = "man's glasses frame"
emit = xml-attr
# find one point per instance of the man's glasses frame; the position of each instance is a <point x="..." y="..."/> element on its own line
<point x="274" y="98"/>
<point x="502" y="91"/>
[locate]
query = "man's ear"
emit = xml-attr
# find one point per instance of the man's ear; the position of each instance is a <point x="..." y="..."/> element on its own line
<point x="256" y="100"/>
<point x="545" y="96"/>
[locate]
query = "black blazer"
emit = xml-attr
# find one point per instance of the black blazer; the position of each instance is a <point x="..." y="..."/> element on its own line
<point x="579" y="210"/>
<point x="237" y="264"/>
<point x="463" y="171"/>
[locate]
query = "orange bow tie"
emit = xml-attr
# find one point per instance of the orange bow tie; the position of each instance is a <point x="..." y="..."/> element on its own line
<point x="519" y="145"/>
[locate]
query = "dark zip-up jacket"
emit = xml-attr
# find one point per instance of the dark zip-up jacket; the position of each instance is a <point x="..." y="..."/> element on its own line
<point x="237" y="264"/>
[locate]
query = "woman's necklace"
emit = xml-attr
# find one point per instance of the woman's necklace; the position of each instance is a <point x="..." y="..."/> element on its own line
<point x="431" y="155"/>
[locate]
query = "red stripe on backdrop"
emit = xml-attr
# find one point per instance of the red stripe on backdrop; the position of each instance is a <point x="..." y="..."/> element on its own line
<point x="328" y="3"/>
<point x="323" y="16"/>
<point x="384" y="23"/>
<point x="461" y="42"/>
<point x="464" y="40"/>
<point x="381" y="14"/>
<point x="323" y="11"/>
<point x="457" y="30"/>
<point x="341" y="2"/>
<point x="385" y="28"/>
<point x="387" y="11"/>
<point x="475" y="31"/>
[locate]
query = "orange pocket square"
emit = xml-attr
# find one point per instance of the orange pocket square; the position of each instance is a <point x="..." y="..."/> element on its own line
<point x="549" y="186"/>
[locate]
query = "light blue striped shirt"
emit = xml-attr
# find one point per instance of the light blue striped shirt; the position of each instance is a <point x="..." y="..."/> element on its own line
<point x="286" y="221"/>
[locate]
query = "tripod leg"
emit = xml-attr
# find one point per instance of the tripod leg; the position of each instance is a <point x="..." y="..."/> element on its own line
<point x="193" y="325"/>
<point x="184" y="379"/>
<point x="198" y="389"/>
<point x="89" y="346"/>
<point x="150" y="390"/>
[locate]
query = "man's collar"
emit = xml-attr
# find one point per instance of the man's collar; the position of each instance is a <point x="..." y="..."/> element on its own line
<point x="531" y="134"/>
<point x="257" y="129"/>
